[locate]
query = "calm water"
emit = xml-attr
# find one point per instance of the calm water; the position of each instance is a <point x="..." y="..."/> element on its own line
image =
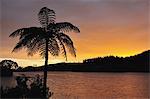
<point x="71" y="85"/>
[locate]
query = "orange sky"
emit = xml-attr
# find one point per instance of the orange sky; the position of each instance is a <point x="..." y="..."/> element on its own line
<point x="108" y="27"/>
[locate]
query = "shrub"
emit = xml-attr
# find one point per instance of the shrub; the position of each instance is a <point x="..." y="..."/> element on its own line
<point x="27" y="87"/>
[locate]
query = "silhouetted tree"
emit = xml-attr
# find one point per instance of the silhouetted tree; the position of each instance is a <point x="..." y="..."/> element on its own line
<point x="9" y="64"/>
<point x="48" y="38"/>
<point x="6" y="67"/>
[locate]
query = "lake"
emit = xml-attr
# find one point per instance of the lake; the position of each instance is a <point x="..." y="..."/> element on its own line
<point x="78" y="85"/>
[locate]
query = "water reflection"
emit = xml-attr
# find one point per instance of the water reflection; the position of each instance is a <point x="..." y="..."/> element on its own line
<point x="69" y="85"/>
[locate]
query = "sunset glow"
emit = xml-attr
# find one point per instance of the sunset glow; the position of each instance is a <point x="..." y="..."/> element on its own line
<point x="108" y="27"/>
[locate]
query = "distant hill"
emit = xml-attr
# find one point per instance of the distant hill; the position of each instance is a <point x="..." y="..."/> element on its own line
<point x="136" y="63"/>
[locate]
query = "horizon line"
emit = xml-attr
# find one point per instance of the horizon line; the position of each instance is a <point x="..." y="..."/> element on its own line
<point x="33" y="62"/>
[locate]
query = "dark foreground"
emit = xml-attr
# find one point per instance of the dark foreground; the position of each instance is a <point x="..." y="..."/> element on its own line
<point x="79" y="85"/>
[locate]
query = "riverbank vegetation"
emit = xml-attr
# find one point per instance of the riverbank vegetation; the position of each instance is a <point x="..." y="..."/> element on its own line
<point x="136" y="63"/>
<point x="27" y="88"/>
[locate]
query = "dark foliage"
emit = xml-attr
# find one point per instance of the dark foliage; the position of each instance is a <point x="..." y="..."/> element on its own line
<point x="6" y="67"/>
<point x="27" y="87"/>
<point x="137" y="63"/>
<point x="51" y="34"/>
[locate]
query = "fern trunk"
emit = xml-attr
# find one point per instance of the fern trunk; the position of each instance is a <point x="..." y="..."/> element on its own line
<point x="45" y="69"/>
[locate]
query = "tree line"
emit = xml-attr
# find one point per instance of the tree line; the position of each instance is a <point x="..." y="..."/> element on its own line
<point x="136" y="63"/>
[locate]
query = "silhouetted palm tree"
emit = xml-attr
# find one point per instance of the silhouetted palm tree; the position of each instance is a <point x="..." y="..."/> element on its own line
<point x="48" y="38"/>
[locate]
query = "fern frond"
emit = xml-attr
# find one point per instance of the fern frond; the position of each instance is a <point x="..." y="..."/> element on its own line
<point x="46" y="16"/>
